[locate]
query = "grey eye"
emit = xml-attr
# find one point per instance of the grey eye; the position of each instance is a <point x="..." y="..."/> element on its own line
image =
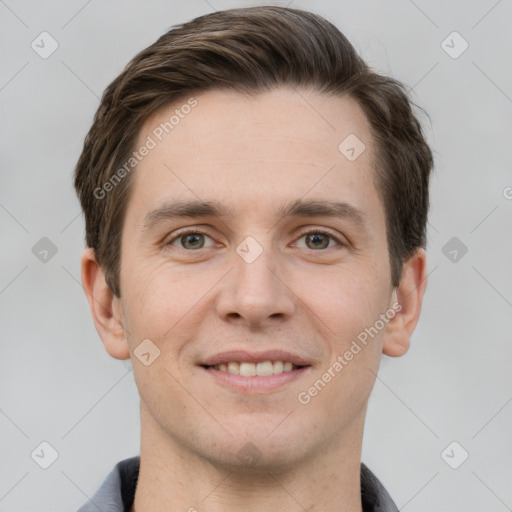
<point x="317" y="240"/>
<point x="192" y="241"/>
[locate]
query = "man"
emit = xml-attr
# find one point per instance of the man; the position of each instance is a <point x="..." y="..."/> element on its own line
<point x="256" y="202"/>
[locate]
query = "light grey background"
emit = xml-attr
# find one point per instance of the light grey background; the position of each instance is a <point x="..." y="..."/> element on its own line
<point x="58" y="384"/>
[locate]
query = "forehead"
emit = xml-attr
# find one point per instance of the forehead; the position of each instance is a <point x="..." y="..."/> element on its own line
<point x="224" y="122"/>
<point x="250" y="151"/>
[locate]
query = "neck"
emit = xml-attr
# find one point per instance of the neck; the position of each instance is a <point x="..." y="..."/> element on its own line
<point x="173" y="478"/>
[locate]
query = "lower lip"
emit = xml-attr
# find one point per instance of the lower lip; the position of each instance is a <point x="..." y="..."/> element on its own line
<point x="256" y="384"/>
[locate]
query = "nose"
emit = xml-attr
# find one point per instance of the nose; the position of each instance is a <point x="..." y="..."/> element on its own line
<point x="256" y="293"/>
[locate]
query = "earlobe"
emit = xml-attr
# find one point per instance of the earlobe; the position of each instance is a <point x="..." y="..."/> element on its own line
<point x="407" y="301"/>
<point x="105" y="307"/>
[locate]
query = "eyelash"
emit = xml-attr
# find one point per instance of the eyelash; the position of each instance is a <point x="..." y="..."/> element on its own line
<point x="194" y="231"/>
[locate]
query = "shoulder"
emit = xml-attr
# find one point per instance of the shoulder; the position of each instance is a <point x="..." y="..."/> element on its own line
<point x="117" y="492"/>
<point x="374" y="496"/>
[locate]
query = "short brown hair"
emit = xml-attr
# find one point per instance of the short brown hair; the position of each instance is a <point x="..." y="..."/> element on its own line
<point x="252" y="50"/>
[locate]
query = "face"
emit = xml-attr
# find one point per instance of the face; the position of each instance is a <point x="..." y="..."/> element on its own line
<point x="251" y="238"/>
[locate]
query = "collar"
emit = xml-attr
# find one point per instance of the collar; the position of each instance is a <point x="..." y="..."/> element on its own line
<point x="117" y="492"/>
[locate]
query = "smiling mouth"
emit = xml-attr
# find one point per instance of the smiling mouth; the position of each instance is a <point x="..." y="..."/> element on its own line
<point x="261" y="369"/>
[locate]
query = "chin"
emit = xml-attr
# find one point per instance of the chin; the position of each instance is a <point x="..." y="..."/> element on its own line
<point x="257" y="457"/>
<point x="258" y="446"/>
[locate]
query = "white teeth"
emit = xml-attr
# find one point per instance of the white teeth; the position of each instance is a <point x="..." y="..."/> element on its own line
<point x="247" y="369"/>
<point x="278" y="367"/>
<point x="263" y="369"/>
<point x="234" y="368"/>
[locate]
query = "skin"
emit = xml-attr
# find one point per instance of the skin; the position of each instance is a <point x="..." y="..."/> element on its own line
<point x="253" y="155"/>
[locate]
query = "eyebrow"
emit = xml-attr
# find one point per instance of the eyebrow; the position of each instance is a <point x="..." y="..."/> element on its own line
<point x="298" y="208"/>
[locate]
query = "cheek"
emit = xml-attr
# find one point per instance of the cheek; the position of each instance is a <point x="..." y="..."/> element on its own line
<point x="345" y="301"/>
<point x="350" y="309"/>
<point x="158" y="310"/>
<point x="162" y="305"/>
<point x="149" y="303"/>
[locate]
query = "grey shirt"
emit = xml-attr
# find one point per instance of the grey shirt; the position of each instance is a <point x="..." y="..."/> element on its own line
<point x="117" y="492"/>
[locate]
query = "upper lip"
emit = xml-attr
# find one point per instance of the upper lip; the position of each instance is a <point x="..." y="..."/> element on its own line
<point x="242" y="356"/>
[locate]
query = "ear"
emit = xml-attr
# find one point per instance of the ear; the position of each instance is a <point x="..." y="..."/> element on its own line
<point x="105" y="307"/>
<point x="406" y="301"/>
